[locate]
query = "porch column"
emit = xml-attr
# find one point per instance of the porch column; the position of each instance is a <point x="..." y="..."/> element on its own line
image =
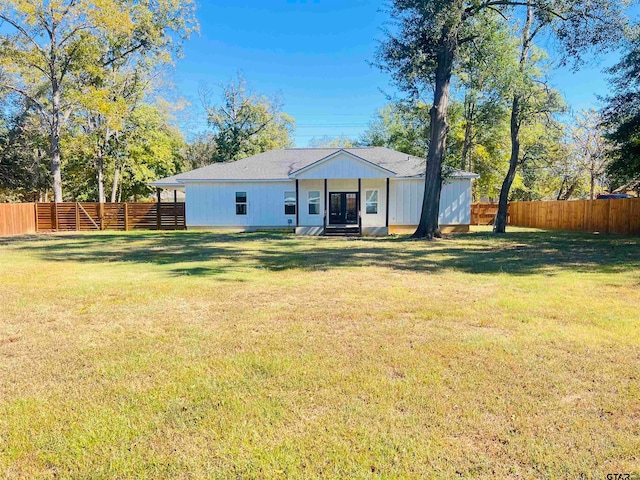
<point x="326" y="205"/>
<point x="387" y="211"/>
<point x="175" y="209"/>
<point x="360" y="205"/>
<point x="158" y="218"/>
<point x="297" y="204"/>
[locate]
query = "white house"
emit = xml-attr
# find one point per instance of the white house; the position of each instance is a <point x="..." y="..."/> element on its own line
<point x="368" y="191"/>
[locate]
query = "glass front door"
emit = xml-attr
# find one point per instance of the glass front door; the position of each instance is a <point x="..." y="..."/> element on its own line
<point x="343" y="208"/>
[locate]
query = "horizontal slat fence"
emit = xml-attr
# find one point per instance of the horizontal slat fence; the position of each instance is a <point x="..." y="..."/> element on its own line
<point x="17" y="218"/>
<point x="483" y="213"/>
<point x="85" y="216"/>
<point x="620" y="215"/>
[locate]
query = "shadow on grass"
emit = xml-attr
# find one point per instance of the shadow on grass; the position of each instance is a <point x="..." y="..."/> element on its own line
<point x="202" y="253"/>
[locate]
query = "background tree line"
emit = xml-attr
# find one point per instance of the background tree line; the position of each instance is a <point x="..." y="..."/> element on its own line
<point x="82" y="117"/>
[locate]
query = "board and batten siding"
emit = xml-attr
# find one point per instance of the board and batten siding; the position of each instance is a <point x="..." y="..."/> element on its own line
<point x="341" y="166"/>
<point x="214" y="204"/>
<point x="406" y="196"/>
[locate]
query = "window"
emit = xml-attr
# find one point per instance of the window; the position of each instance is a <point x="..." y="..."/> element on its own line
<point x="241" y="203"/>
<point x="314" y="203"/>
<point x="289" y="203"/>
<point x="371" y="197"/>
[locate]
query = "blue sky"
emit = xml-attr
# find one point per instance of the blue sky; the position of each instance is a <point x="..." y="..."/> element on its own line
<point x="314" y="54"/>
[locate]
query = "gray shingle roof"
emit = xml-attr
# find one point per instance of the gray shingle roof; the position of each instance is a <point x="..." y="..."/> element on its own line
<point x="279" y="164"/>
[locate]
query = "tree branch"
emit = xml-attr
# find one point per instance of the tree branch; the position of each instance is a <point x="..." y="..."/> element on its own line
<point x="24" y="32"/>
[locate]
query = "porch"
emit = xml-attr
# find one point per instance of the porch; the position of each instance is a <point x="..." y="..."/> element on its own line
<point x="342" y="207"/>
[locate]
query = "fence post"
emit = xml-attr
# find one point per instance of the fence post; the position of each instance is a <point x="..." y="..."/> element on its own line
<point x="101" y="215"/>
<point x="77" y="217"/>
<point x="126" y="216"/>
<point x="35" y="212"/>
<point x="55" y="217"/>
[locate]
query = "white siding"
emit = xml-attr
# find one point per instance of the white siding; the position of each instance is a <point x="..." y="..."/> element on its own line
<point x="379" y="219"/>
<point x="306" y="186"/>
<point x="214" y="204"/>
<point x="342" y="166"/>
<point x="406" y="202"/>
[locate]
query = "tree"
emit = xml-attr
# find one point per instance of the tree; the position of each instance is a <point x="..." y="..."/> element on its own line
<point x="49" y="45"/>
<point x="621" y="117"/>
<point x="201" y="151"/>
<point x="426" y="49"/>
<point x="578" y="26"/>
<point x="589" y="147"/>
<point x="401" y="126"/>
<point x="332" y="142"/>
<point x="23" y="171"/>
<point x="246" y="123"/>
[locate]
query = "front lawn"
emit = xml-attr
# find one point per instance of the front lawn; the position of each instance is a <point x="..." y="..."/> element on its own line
<point x="201" y="355"/>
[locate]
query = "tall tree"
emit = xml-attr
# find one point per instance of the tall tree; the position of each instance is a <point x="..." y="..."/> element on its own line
<point x="401" y="126"/>
<point x="425" y="49"/>
<point x="621" y="117"/>
<point x="245" y="122"/>
<point x="47" y="45"/>
<point x="23" y="169"/>
<point x="578" y="26"/>
<point x="589" y="148"/>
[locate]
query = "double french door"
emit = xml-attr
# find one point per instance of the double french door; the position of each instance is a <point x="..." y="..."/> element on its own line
<point x="343" y="208"/>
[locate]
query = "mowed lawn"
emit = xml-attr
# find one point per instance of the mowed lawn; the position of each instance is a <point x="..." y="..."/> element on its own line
<point x="201" y="355"/>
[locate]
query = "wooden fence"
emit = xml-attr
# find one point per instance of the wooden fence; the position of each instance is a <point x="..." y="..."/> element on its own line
<point x="64" y="217"/>
<point x="620" y="216"/>
<point x="483" y="213"/>
<point x="17" y="218"/>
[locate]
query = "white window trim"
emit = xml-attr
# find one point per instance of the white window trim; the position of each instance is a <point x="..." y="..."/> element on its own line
<point x="245" y="203"/>
<point x="295" y="203"/>
<point x="377" y="202"/>
<point x="319" y="202"/>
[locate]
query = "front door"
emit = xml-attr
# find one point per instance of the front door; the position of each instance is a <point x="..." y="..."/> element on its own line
<point x="343" y="208"/>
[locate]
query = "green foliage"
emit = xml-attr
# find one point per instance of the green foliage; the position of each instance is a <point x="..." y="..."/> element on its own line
<point x="67" y="55"/>
<point x="23" y="153"/>
<point x="333" y="142"/>
<point x="148" y="148"/>
<point x="401" y="126"/>
<point x="246" y="123"/>
<point x="621" y="116"/>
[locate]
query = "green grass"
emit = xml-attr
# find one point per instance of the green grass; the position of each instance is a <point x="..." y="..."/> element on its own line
<point x="199" y="355"/>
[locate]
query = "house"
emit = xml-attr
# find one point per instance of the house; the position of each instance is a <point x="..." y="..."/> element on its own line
<point x="369" y="191"/>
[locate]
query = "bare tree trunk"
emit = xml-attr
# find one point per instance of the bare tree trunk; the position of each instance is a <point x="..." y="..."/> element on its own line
<point x="56" y="159"/>
<point x="100" y="176"/>
<point x="114" y="187"/>
<point x="500" y="222"/>
<point x="468" y="133"/>
<point x="102" y="148"/>
<point x="428" y="227"/>
<point x="592" y="190"/>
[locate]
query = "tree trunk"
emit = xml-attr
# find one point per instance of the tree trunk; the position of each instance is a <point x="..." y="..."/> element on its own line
<point x="114" y="187"/>
<point x="428" y="227"/>
<point x="500" y="222"/>
<point x="100" y="176"/>
<point x="468" y="131"/>
<point x="56" y="159"/>
<point x="592" y="190"/>
<point x="102" y="148"/>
